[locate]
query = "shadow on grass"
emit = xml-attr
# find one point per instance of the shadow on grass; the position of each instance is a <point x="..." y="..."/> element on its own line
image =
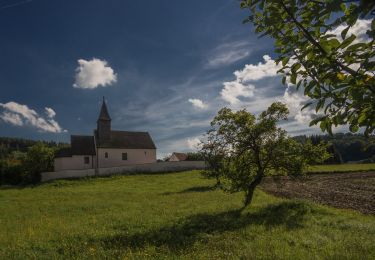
<point x="193" y="189"/>
<point x="185" y="232"/>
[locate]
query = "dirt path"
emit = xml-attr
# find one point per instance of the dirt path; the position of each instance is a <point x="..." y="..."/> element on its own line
<point x="340" y="190"/>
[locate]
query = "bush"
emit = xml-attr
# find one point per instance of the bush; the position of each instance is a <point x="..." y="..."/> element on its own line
<point x="39" y="158"/>
<point x="195" y="157"/>
<point x="11" y="172"/>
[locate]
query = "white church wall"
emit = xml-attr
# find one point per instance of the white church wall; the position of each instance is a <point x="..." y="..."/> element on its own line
<point x="134" y="156"/>
<point x="76" y="162"/>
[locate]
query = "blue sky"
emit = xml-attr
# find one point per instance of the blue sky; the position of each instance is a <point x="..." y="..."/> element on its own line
<point x="164" y="66"/>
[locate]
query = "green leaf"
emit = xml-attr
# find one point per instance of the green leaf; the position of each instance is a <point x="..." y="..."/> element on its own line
<point x="354" y="128"/>
<point x="357" y="46"/>
<point x="347" y="41"/>
<point x="334" y="43"/>
<point x="362" y="118"/>
<point x="316" y="120"/>
<point x="319" y="105"/>
<point x="343" y="7"/>
<point x="295" y="67"/>
<point x="344" y="32"/>
<point x="285" y="61"/>
<point x="293" y="78"/>
<point x="310" y="55"/>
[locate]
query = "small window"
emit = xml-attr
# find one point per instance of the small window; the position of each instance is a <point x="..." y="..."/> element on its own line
<point x="106" y="155"/>
<point x="124" y="156"/>
<point x="145" y="153"/>
<point x="86" y="160"/>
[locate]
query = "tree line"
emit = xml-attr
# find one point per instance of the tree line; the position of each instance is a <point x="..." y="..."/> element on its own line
<point x="346" y="147"/>
<point x="22" y="160"/>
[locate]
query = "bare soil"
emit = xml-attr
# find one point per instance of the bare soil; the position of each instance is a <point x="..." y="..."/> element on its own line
<point x="341" y="190"/>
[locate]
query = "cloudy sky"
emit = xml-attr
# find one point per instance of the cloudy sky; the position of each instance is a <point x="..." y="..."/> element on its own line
<point x="164" y="66"/>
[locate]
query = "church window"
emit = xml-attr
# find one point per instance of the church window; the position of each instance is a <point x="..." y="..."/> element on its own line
<point x="86" y="160"/>
<point x="124" y="156"/>
<point x="106" y="155"/>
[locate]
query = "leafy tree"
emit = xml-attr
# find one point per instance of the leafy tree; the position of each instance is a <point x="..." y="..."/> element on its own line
<point x="241" y="149"/>
<point x="337" y="73"/>
<point x="39" y="158"/>
<point x="194" y="156"/>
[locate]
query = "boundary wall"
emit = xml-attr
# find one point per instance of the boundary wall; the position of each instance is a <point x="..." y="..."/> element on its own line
<point x="158" y="167"/>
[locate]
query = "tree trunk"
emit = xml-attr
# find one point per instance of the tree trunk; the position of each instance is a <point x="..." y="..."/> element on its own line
<point x="218" y="184"/>
<point x="250" y="190"/>
<point x="249" y="196"/>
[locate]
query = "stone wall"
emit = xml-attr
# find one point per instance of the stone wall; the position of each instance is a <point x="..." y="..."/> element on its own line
<point x="139" y="168"/>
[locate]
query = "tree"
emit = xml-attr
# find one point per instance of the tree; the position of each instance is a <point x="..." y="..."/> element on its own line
<point x="194" y="156"/>
<point x="336" y="71"/>
<point x="241" y="149"/>
<point x="39" y="158"/>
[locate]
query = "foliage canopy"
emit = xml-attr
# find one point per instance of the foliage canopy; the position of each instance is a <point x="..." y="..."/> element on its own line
<point x="241" y="149"/>
<point x="336" y="71"/>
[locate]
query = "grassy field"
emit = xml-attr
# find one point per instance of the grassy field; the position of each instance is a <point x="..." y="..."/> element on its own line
<point x="172" y="216"/>
<point x="343" y="167"/>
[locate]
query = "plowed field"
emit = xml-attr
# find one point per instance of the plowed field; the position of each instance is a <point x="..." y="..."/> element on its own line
<point x="342" y="190"/>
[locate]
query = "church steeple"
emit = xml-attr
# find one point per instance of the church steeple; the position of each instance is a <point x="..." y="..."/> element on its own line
<point x="104" y="123"/>
<point x="104" y="115"/>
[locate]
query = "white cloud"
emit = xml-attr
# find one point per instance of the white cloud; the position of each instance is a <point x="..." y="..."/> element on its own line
<point x="295" y="101"/>
<point x="50" y="112"/>
<point x="185" y="144"/>
<point x="228" y="57"/>
<point x="193" y="143"/>
<point x="198" y="103"/>
<point x="259" y="71"/>
<point x="19" y="115"/>
<point x="11" y="118"/>
<point x="359" y="29"/>
<point x="94" y="73"/>
<point x="233" y="90"/>
<point x="240" y="87"/>
<point x="228" y="53"/>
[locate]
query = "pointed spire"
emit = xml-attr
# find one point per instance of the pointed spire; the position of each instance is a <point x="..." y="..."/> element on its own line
<point x="104" y="115"/>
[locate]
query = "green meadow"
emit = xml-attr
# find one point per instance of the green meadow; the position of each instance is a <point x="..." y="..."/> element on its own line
<point x="347" y="167"/>
<point x="170" y="216"/>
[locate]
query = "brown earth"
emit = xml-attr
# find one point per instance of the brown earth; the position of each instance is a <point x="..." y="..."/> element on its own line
<point x="341" y="190"/>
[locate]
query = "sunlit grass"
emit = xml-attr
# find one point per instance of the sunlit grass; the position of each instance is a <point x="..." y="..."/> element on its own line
<point x="174" y="215"/>
<point x="343" y="167"/>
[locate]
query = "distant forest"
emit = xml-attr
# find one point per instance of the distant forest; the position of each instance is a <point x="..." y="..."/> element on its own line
<point x="343" y="147"/>
<point x="346" y="147"/>
<point x="9" y="145"/>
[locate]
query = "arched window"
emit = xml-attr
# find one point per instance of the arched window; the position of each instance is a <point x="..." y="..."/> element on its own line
<point x="106" y="155"/>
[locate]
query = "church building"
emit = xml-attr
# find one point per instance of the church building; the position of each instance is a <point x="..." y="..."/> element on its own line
<point x="106" y="148"/>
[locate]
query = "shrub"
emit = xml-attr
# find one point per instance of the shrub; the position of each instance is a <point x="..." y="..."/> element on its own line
<point x="11" y="171"/>
<point x="39" y="158"/>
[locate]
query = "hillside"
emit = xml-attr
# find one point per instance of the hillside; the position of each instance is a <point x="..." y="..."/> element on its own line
<point x="169" y="216"/>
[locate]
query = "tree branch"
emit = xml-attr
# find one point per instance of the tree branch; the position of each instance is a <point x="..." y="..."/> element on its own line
<point x="311" y="39"/>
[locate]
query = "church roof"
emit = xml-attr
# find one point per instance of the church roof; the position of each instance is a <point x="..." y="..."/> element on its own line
<point x="79" y="145"/>
<point x="63" y="152"/>
<point x="127" y="140"/>
<point x="104" y="115"/>
<point x="180" y="156"/>
<point x="82" y="145"/>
